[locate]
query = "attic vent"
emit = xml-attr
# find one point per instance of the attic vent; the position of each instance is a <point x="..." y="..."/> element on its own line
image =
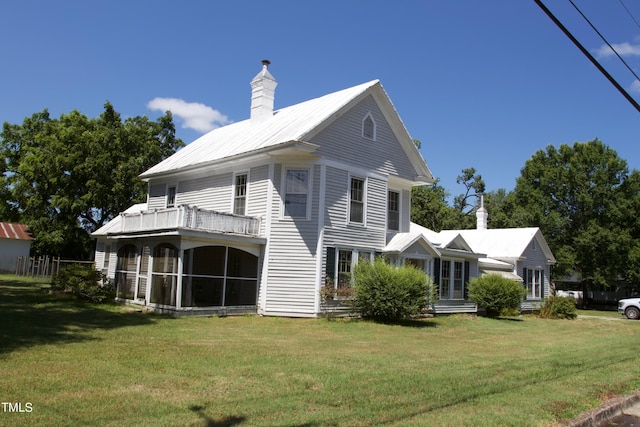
<point x="369" y="127"/>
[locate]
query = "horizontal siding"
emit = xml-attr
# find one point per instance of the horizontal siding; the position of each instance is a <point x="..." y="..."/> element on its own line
<point x="211" y="192"/>
<point x="291" y="276"/>
<point x="343" y="141"/>
<point x="257" y="194"/>
<point x="157" y="196"/>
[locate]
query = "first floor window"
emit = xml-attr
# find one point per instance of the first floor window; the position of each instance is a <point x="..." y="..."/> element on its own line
<point x="344" y="268"/>
<point x="356" y="211"/>
<point x="126" y="270"/>
<point x="454" y="275"/>
<point x="296" y="190"/>
<point x="533" y="281"/>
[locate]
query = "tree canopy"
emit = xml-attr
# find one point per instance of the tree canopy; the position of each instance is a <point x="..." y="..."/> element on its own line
<point x="67" y="177"/>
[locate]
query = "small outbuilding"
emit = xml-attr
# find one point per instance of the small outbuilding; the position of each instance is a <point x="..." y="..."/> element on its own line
<point x="15" y="241"/>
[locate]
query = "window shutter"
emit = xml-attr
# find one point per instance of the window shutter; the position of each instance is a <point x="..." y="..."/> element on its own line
<point x="436" y="272"/>
<point x="524" y="280"/>
<point x="330" y="268"/>
<point x="542" y="284"/>
<point x="466" y="279"/>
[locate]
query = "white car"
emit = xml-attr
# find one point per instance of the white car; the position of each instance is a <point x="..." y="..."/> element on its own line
<point x="630" y="307"/>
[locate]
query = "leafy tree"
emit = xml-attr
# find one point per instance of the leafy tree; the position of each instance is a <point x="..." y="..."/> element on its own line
<point x="429" y="208"/>
<point x="585" y="201"/>
<point x="67" y="177"/>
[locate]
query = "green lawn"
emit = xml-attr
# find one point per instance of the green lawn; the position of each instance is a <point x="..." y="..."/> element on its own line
<point x="80" y="364"/>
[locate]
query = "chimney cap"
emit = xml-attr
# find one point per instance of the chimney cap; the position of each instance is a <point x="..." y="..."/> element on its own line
<point x="266" y="62"/>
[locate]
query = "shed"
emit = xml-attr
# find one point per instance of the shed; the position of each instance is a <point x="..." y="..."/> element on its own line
<point x="15" y="241"/>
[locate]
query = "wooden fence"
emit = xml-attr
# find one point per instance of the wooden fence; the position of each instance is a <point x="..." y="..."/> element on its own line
<point x="42" y="266"/>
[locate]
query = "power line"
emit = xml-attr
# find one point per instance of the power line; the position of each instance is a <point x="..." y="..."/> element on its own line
<point x="604" y="40"/>
<point x="629" y="13"/>
<point x="588" y="55"/>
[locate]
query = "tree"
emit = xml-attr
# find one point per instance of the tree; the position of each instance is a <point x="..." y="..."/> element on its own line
<point x="474" y="188"/>
<point x="429" y="208"/>
<point x="585" y="201"/>
<point x="67" y="177"/>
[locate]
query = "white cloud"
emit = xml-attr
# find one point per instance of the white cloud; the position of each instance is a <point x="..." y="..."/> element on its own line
<point x="194" y="115"/>
<point x="635" y="86"/>
<point x="623" y="49"/>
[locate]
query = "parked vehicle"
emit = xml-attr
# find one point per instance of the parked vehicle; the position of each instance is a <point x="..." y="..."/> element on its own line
<point x="630" y="307"/>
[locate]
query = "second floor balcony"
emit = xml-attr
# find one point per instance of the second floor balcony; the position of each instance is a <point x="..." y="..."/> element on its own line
<point x="189" y="217"/>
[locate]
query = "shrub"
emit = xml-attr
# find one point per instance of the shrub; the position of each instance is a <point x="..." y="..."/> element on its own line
<point x="556" y="307"/>
<point x="387" y="292"/>
<point x="83" y="282"/>
<point x="499" y="296"/>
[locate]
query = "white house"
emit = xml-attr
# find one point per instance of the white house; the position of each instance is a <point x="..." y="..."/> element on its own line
<point x="15" y="242"/>
<point x="256" y="216"/>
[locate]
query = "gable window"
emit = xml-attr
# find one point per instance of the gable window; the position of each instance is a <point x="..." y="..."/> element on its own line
<point x="534" y="282"/>
<point x="393" y="211"/>
<point x="296" y="192"/>
<point x="356" y="208"/>
<point x="171" y="196"/>
<point x="240" y="195"/>
<point x="369" y="127"/>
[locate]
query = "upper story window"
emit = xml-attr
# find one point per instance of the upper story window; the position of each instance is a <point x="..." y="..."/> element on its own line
<point x="356" y="195"/>
<point x="296" y="193"/>
<point x="393" y="211"/>
<point x="171" y="196"/>
<point x="369" y="127"/>
<point x="240" y="194"/>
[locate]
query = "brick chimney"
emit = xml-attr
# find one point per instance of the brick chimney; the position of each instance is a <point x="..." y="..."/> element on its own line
<point x="263" y="88"/>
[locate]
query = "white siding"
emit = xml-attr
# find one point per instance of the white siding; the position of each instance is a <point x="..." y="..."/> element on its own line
<point x="157" y="196"/>
<point x="343" y="141"/>
<point x="10" y="250"/>
<point x="211" y="192"/>
<point x="257" y="194"/>
<point x="291" y="276"/>
<point x="535" y="259"/>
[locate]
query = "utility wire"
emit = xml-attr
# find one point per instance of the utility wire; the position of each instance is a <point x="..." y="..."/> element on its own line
<point x="604" y="40"/>
<point x="629" y="13"/>
<point x="588" y="55"/>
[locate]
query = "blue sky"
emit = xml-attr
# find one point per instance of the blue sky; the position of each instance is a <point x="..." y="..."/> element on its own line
<point x="481" y="84"/>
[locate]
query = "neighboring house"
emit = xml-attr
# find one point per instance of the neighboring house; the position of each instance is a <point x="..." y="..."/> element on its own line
<point x="258" y="215"/>
<point x="15" y="242"/>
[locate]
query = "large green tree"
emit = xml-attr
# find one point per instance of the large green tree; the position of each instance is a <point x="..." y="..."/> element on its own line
<point x="585" y="201"/>
<point x="67" y="177"/>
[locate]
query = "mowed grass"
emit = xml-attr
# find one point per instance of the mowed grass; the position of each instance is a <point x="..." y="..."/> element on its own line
<point x="81" y="364"/>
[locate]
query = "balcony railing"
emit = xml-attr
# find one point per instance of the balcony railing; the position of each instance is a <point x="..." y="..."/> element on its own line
<point x="190" y="217"/>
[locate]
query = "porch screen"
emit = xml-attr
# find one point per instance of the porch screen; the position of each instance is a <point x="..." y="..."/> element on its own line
<point x="216" y="276"/>
<point x="164" y="276"/>
<point x="126" y="272"/>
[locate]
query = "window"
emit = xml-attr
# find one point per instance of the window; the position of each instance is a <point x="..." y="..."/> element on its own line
<point x="534" y="282"/>
<point x="240" y="195"/>
<point x="369" y="127"/>
<point x="296" y="191"/>
<point x="105" y="261"/>
<point x="344" y="268"/>
<point x="171" y="196"/>
<point x="453" y="278"/>
<point x="393" y="211"/>
<point x="356" y="208"/>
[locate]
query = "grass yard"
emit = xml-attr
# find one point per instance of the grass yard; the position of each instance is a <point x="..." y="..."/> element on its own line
<point x="81" y="364"/>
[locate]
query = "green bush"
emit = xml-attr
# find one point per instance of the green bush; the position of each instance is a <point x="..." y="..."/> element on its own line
<point x="556" y="307"/>
<point x="497" y="295"/>
<point x="387" y="292"/>
<point x="83" y="282"/>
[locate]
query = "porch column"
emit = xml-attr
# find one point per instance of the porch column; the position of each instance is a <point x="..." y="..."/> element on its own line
<point x="179" y="283"/>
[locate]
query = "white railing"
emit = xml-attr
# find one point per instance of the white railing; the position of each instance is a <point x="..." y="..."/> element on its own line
<point x="190" y="217"/>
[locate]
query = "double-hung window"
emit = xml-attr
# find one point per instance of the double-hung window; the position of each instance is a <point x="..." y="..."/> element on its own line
<point x="240" y="194"/>
<point x="356" y="208"/>
<point x="171" y="196"/>
<point x="393" y="211"/>
<point x="296" y="193"/>
<point x="453" y="276"/>
<point x="534" y="282"/>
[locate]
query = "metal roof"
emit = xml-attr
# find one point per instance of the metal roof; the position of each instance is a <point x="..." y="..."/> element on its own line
<point x="14" y="231"/>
